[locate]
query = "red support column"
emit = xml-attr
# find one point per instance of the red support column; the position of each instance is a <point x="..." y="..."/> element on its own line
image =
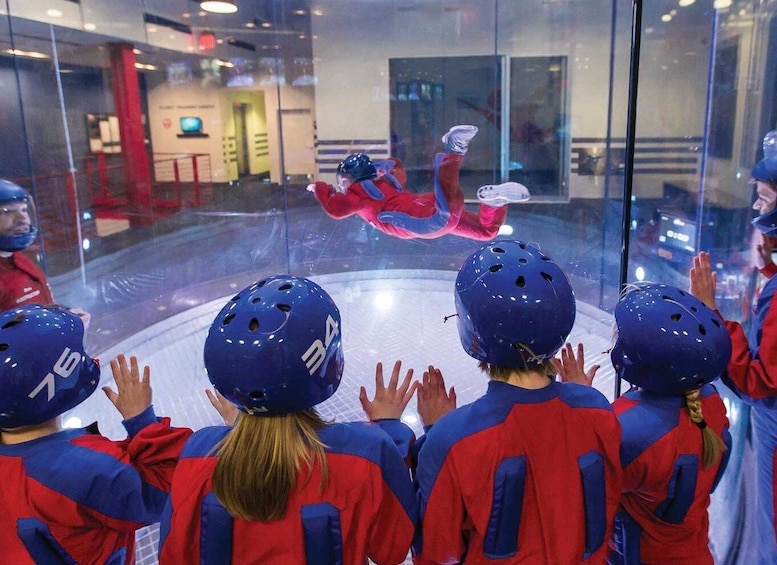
<point x="137" y="170"/>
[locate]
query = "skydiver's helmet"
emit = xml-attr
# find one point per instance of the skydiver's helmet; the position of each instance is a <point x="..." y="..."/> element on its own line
<point x="515" y="306"/>
<point x="276" y="347"/>
<point x="766" y="171"/>
<point x="44" y="370"/>
<point x="14" y="199"/>
<point x="355" y="168"/>
<point x="668" y="341"/>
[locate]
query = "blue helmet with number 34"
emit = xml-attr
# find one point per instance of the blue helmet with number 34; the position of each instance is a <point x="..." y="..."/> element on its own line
<point x="44" y="370"/>
<point x="276" y="347"/>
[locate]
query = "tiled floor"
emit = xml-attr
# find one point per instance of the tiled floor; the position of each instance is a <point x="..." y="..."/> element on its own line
<point x="386" y="315"/>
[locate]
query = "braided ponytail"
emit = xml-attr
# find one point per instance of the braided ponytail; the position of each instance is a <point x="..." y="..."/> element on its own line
<point x="713" y="445"/>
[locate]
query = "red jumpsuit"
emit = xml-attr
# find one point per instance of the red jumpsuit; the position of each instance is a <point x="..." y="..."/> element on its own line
<point x="77" y="497"/>
<point x="368" y="507"/>
<point x="22" y="282"/>
<point x="666" y="489"/>
<point x="384" y="203"/>
<point x="752" y="374"/>
<point x="520" y="476"/>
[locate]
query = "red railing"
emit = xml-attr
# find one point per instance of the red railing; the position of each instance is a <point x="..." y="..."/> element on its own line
<point x="100" y="190"/>
<point x="181" y="180"/>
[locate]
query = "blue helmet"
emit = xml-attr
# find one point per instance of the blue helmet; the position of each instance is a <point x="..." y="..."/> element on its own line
<point x="44" y="370"/>
<point x="357" y="166"/>
<point x="11" y="192"/>
<point x="276" y="347"/>
<point x="668" y="341"/>
<point x="766" y="171"/>
<point x="515" y="306"/>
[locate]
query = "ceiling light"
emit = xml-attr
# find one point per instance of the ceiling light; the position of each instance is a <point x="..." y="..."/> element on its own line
<point x="666" y="18"/>
<point x="722" y="4"/>
<point x="219" y="6"/>
<point x="685" y="3"/>
<point x="30" y="54"/>
<point x="90" y="26"/>
<point x="54" y="13"/>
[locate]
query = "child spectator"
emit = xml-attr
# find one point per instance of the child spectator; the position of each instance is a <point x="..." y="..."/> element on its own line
<point x="530" y="471"/>
<point x="670" y="346"/>
<point x="74" y="496"/>
<point x="284" y="485"/>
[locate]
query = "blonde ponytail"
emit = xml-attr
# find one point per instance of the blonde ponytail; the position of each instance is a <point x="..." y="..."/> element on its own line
<point x="260" y="461"/>
<point x="712" y="444"/>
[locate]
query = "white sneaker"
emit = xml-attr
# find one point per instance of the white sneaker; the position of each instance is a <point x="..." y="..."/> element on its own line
<point x="457" y="139"/>
<point x="497" y="195"/>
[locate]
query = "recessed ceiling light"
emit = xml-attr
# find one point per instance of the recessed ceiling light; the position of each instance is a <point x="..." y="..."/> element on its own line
<point x="54" y="13"/>
<point x="219" y="6"/>
<point x="685" y="3"/>
<point x="30" y="54"/>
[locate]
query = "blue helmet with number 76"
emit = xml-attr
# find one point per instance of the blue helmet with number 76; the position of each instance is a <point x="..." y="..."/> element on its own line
<point x="44" y="370"/>
<point x="276" y="347"/>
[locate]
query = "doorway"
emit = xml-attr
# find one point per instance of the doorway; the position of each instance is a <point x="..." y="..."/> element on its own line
<point x="239" y="111"/>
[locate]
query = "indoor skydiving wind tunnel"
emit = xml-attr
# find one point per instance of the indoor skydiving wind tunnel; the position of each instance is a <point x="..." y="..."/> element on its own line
<point x="168" y="149"/>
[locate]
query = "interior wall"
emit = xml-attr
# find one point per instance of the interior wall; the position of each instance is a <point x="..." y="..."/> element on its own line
<point x="168" y="104"/>
<point x="349" y="68"/>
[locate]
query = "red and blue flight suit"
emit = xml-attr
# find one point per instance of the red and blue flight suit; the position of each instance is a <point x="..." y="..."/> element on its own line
<point x="670" y="346"/>
<point x="381" y="200"/>
<point x="523" y="474"/>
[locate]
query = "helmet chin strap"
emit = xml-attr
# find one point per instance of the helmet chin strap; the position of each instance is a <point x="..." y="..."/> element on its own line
<point x="767" y="223"/>
<point x="18" y="242"/>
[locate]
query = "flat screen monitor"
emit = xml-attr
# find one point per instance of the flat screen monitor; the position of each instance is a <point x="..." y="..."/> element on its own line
<point x="677" y="233"/>
<point x="191" y="124"/>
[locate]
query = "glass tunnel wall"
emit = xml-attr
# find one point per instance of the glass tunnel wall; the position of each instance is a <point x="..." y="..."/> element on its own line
<point x="169" y="152"/>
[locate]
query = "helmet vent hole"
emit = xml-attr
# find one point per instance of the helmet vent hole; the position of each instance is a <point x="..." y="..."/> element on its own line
<point x="228" y="318"/>
<point x="495" y="268"/>
<point x="702" y="330"/>
<point x="16" y="320"/>
<point x="3" y="346"/>
<point x="522" y="245"/>
<point x="235" y="298"/>
<point x="694" y="309"/>
<point x="253" y="325"/>
<point x="256" y="299"/>
<point x="498" y="250"/>
<point x="520" y="282"/>
<point x="676" y="317"/>
<point x="284" y="307"/>
<point x="716" y="322"/>
<point x="547" y="276"/>
<point x="522" y="261"/>
<point x="261" y="283"/>
<point x="286" y="286"/>
<point x="256" y="394"/>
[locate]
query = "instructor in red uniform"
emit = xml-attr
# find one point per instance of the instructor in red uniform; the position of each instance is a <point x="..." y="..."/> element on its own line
<point x="21" y="280"/>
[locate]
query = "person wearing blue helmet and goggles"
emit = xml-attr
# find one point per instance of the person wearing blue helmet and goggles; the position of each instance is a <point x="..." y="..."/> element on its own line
<point x="21" y="280"/>
<point x="752" y="368"/>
